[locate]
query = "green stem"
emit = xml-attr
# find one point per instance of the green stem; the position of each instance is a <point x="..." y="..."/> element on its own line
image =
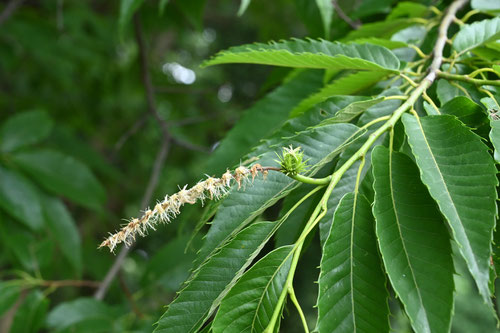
<point x="309" y="180"/>
<point x="465" y="78"/>
<point x="291" y="291"/>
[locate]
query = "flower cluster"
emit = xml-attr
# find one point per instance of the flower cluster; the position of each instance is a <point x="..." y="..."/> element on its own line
<point x="166" y="210"/>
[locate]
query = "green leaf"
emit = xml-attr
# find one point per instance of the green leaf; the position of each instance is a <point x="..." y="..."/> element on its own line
<point x="485" y="5"/>
<point x="127" y="10"/>
<point x="414" y="242"/>
<point x="461" y="176"/>
<point x="19" y="199"/>
<point x="69" y="314"/>
<point x="446" y="91"/>
<point x="311" y="54"/>
<point x="320" y="145"/>
<point x="473" y="35"/>
<point x="243" y="7"/>
<point x="61" y="224"/>
<point x="202" y="294"/>
<point x="352" y="111"/>
<point x="495" y="137"/>
<point x="387" y="43"/>
<point x="62" y="174"/>
<point x="162" y="4"/>
<point x="326" y="10"/>
<point x="309" y="15"/>
<point x="352" y="293"/>
<point x="193" y="10"/>
<point x="9" y="293"/>
<point x="259" y="121"/>
<point x="465" y="110"/>
<point x="347" y="85"/>
<point x="407" y="9"/>
<point x="30" y="316"/>
<point x="383" y="29"/>
<point x="24" y="129"/>
<point x="250" y="304"/>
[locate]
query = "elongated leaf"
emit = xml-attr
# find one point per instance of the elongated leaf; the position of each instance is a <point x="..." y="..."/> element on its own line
<point x="352" y="294"/>
<point x="23" y="129"/>
<point x="461" y="177"/>
<point x="243" y="7"/>
<point x="326" y="10"/>
<point x="197" y="301"/>
<point x="309" y="118"/>
<point x="127" y="11"/>
<point x="320" y="145"/>
<point x="262" y="119"/>
<point x="311" y="54"/>
<point x="61" y="224"/>
<point x="352" y="111"/>
<point x="250" y="304"/>
<point x="62" y="174"/>
<point x="383" y="29"/>
<point x="473" y="35"/>
<point x="347" y="85"/>
<point x="414" y="242"/>
<point x="19" y="199"/>
<point x="387" y="43"/>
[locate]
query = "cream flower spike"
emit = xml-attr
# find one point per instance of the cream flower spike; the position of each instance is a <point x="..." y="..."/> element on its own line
<point x="166" y="210"/>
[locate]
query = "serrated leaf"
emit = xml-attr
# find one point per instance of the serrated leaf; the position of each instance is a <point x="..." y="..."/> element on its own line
<point x="69" y="314"/>
<point x="127" y="10"/>
<point x="320" y="145"/>
<point x="311" y="54"/>
<point x="19" y="199"/>
<point x="383" y="29"/>
<point x="61" y="224"/>
<point x="352" y="111"/>
<point x="262" y="119"/>
<point x="202" y="294"/>
<point x="475" y="34"/>
<point x="465" y="110"/>
<point x="352" y="293"/>
<point x="326" y="10"/>
<point x="250" y="304"/>
<point x="243" y="7"/>
<point x="414" y="242"/>
<point x="62" y="174"/>
<point x="461" y="176"/>
<point x="24" y="129"/>
<point x="347" y="85"/>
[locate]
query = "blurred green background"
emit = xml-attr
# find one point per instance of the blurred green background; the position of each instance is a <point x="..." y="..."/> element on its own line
<point x="79" y="138"/>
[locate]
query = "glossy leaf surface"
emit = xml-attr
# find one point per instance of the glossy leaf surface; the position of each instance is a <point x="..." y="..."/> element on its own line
<point x="461" y="177"/>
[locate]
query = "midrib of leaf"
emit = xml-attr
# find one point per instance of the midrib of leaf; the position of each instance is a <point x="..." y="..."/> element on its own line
<point x="457" y="216"/>
<point x="267" y="287"/>
<point x="351" y="256"/>
<point x="403" y="243"/>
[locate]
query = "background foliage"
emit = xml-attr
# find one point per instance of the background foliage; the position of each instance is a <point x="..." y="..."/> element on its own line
<point x="81" y="132"/>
